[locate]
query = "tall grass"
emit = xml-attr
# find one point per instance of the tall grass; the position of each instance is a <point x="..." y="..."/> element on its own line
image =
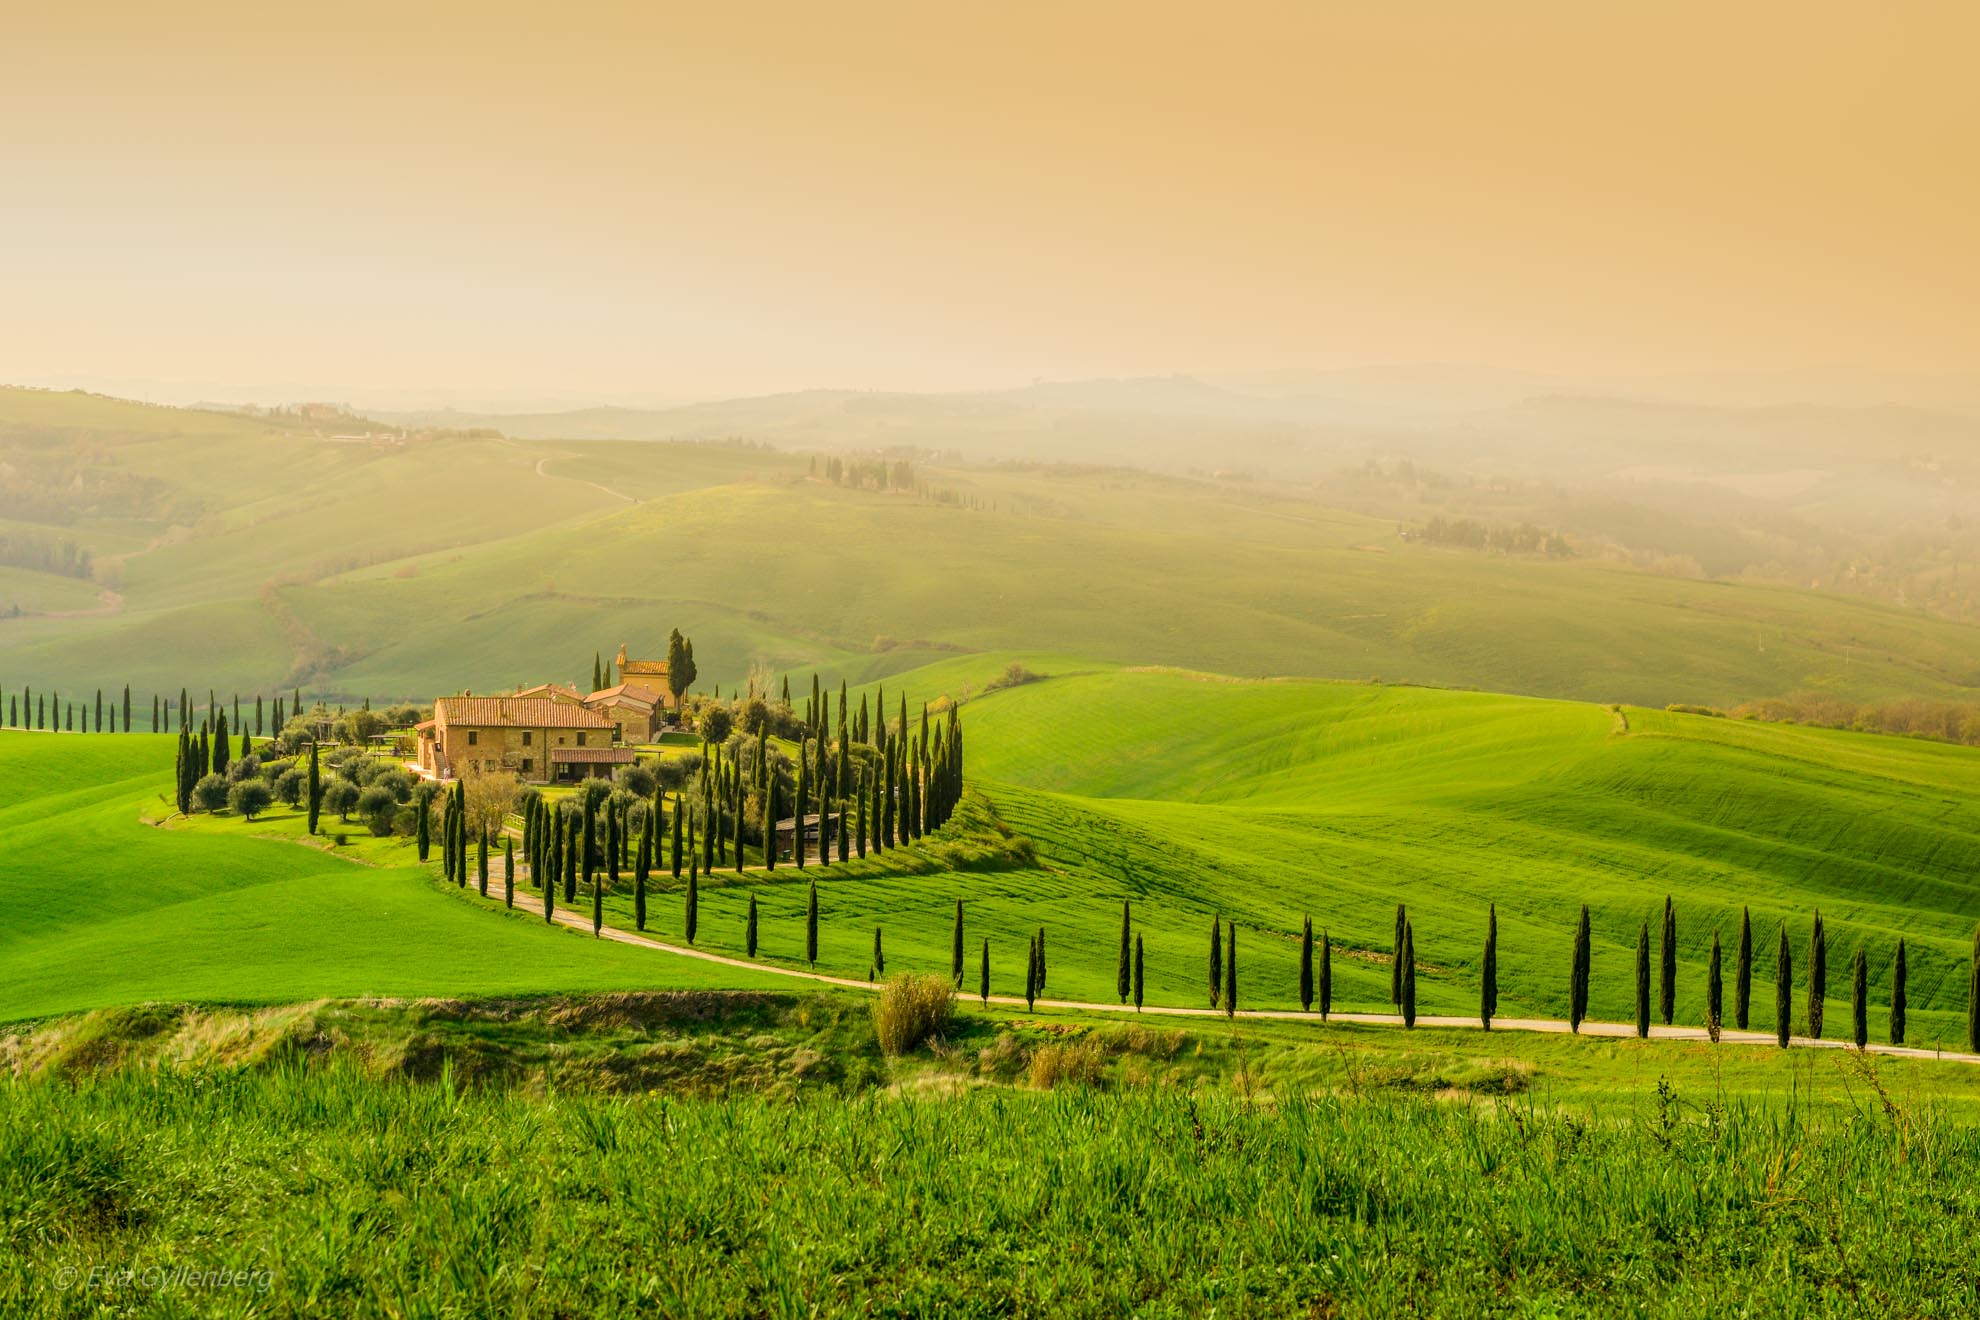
<point x="912" y="1010"/>
<point x="365" y="1199"/>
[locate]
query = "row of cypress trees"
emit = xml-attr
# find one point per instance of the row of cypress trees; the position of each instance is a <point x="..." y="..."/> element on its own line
<point x="47" y="711"/>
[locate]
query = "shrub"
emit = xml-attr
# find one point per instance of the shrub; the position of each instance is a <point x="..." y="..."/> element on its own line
<point x="377" y="808"/>
<point x="210" y="793"/>
<point x="340" y="795"/>
<point x="250" y="797"/>
<point x="1078" y="1063"/>
<point x="396" y="782"/>
<point x="911" y="1010"/>
<point x="247" y="767"/>
<point x="1014" y="675"/>
<point x="638" y="781"/>
<point x="289" y="786"/>
<point x="716" y="722"/>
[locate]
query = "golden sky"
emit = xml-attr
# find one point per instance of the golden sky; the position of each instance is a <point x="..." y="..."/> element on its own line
<point x="711" y="198"/>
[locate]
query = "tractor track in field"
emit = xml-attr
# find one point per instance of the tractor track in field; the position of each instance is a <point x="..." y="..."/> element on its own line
<point x="578" y="918"/>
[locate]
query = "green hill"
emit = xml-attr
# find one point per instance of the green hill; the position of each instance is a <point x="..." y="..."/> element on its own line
<point x="1189" y="796"/>
<point x="254" y="559"/>
<point x="107" y="910"/>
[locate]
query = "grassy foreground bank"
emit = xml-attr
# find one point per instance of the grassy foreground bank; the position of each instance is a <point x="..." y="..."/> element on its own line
<point x="337" y="1195"/>
<point x="756" y="1155"/>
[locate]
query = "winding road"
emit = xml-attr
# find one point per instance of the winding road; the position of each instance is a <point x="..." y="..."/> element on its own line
<point x="579" y="918"/>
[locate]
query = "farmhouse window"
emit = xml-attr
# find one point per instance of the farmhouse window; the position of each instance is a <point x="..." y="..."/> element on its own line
<point x="474" y="737"/>
<point x="527" y="735"/>
<point x="580" y="740"/>
<point x="528" y="765"/>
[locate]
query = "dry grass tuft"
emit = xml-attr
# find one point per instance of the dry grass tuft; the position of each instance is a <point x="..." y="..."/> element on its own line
<point x="911" y="1010"/>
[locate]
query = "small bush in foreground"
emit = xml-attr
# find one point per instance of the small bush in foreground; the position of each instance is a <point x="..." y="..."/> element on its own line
<point x="911" y="1010"/>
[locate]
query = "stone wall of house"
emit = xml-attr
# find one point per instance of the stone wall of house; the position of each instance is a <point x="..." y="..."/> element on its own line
<point x="472" y="750"/>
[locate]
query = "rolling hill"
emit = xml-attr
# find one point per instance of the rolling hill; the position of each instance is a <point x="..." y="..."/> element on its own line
<point x="1187" y="795"/>
<point x="247" y="558"/>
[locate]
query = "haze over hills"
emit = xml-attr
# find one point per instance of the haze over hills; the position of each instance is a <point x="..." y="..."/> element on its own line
<point x="264" y="554"/>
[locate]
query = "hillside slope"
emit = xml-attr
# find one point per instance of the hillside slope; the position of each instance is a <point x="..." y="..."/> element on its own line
<point x="245" y="558"/>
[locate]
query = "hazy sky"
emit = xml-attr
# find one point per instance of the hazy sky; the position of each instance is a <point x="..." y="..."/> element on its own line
<point x="711" y="198"/>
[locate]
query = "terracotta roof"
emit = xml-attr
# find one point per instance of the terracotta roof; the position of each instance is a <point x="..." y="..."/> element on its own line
<point x="545" y="689"/>
<point x="657" y="668"/>
<point x="516" y="713"/>
<point x="424" y="724"/>
<point x="633" y="690"/>
<point x="591" y="755"/>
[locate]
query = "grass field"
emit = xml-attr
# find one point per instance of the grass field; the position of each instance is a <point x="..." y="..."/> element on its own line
<point x="1193" y="797"/>
<point x="333" y="1193"/>
<point x="277" y="560"/>
<point x="1190" y="797"/>
<point x="109" y="911"/>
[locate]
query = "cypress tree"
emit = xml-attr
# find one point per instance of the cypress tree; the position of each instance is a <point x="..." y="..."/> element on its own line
<point x="1578" y="975"/>
<point x="1743" y="972"/>
<point x="1859" y="1004"/>
<point x="1897" y="996"/>
<point x="879" y="954"/>
<point x="1783" y="991"/>
<point x="1973" y="997"/>
<point x="590" y="844"/>
<point x="314" y="788"/>
<point x="749" y="929"/>
<point x="553" y="844"/>
<point x="1643" y="980"/>
<point x="769" y="821"/>
<point x="1041" y="960"/>
<point x="1488" y="981"/>
<point x="127" y="710"/>
<point x="1818" y="974"/>
<point x="613" y="846"/>
<point x="481" y="861"/>
<point x="460" y="848"/>
<point x="1124" y="971"/>
<point x="1409" y="976"/>
<point x="1230" y="971"/>
<point x="508" y="871"/>
<point x="1216" y="959"/>
<point x="257" y="714"/>
<point x="573" y="841"/>
<point x="956" y="948"/>
<point x="736" y="779"/>
<point x="983" y="972"/>
<point x="692" y="918"/>
<point x="711" y="824"/>
<point x="679" y="803"/>
<point x="1326" y="976"/>
<point x="811" y="925"/>
<point x="1714" y="991"/>
<point x="1031" y="976"/>
<point x="859" y="807"/>
<point x="845" y="841"/>
<point x="222" y="750"/>
<point x="1306" y="966"/>
<point x="1138" y="979"/>
<point x="1395" y="958"/>
<point x="1667" y="966"/>
<point x="99" y="711"/>
<point x="797" y="816"/>
<point x="154" y="712"/>
<point x="642" y="863"/>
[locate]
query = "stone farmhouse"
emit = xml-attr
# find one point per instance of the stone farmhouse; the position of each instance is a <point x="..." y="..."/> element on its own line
<point x="550" y="733"/>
